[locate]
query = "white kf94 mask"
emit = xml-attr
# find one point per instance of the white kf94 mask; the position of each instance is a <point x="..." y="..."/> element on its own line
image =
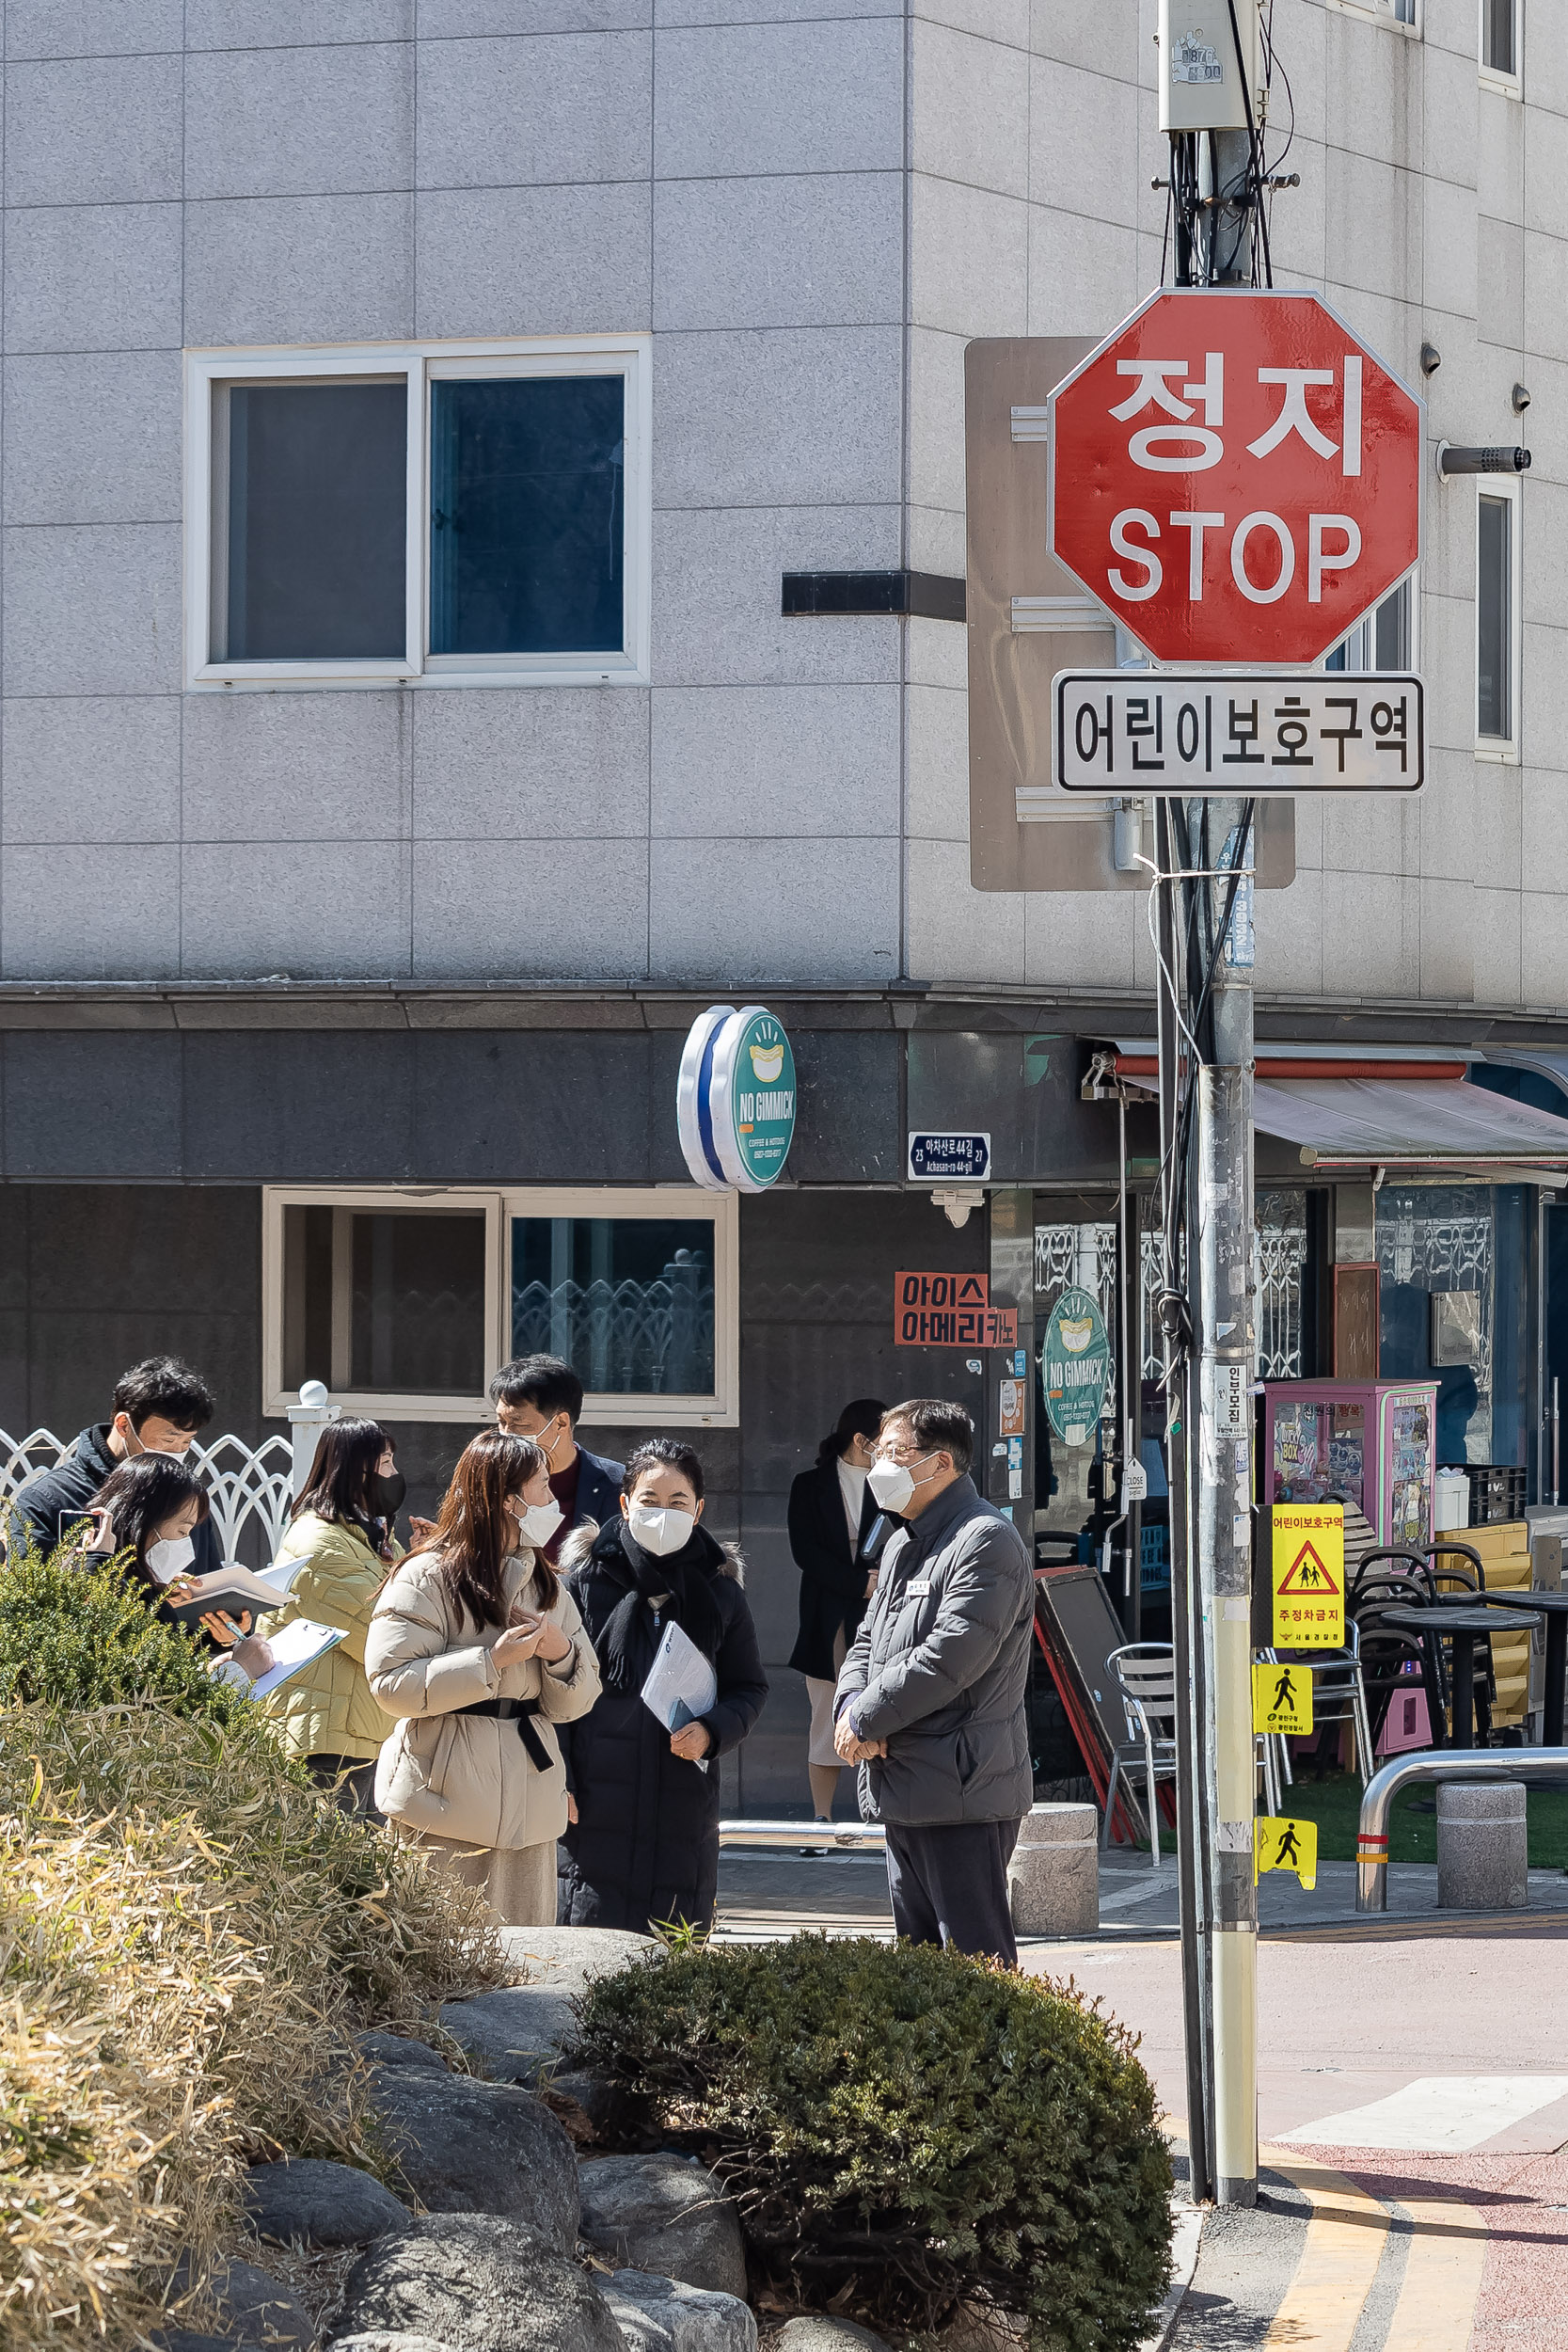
<point x="660" y="1531"/>
<point x="539" y="1522"/>
<point x="170" y="1557"/>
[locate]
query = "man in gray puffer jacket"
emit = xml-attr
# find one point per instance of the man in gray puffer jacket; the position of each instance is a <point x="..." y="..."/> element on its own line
<point x="930" y="1701"/>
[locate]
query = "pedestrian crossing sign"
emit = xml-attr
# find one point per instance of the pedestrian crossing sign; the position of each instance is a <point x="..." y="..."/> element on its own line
<point x="1282" y="1700"/>
<point x="1280" y="1845"/>
<point x="1308" y="1575"/>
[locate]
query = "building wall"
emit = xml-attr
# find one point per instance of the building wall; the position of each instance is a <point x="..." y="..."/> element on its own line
<point x="236" y="172"/>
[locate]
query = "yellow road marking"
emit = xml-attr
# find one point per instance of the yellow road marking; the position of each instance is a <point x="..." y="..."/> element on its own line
<point x="1436" y="2309"/>
<point x="1339" y="2262"/>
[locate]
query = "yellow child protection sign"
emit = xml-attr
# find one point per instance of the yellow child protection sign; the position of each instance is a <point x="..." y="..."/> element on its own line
<point x="1308" y="1575"/>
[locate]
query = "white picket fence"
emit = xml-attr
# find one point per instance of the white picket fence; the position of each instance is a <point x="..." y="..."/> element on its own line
<point x="250" y="1487"/>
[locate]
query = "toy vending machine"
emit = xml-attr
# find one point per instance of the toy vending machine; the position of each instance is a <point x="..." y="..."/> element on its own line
<point x="1372" y="1442"/>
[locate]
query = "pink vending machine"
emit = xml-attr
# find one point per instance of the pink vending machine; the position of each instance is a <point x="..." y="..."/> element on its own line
<point x="1372" y="1440"/>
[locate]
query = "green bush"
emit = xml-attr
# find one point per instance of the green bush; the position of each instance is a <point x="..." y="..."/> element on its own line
<point x="905" y="2128"/>
<point x="75" y="1637"/>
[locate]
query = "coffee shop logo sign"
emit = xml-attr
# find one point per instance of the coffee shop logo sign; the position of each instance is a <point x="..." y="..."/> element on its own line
<point x="734" y="1102"/>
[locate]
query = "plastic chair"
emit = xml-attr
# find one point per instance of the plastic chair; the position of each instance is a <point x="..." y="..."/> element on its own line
<point x="1146" y="1679"/>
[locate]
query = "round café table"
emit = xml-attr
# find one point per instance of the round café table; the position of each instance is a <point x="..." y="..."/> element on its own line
<point x="1553" y="1606"/>
<point x="1465" y="1623"/>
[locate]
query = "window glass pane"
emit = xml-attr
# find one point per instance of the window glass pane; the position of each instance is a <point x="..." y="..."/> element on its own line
<point x="1434" y="1241"/>
<point x="418" y="1303"/>
<point x="1392" y="629"/>
<point x="627" y="1301"/>
<point x="1494" y="619"/>
<point x="527" y="516"/>
<point x="316" y="508"/>
<point x="1497" y="35"/>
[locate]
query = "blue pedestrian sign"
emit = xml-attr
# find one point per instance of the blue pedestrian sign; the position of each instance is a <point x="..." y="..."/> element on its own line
<point x="967" y="1159"/>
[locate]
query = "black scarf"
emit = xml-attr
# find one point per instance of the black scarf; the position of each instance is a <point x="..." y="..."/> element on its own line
<point x="683" y="1575"/>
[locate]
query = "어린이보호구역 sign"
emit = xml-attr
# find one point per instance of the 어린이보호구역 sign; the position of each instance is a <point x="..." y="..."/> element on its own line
<point x="1075" y="1366"/>
<point x="1308" y="1574"/>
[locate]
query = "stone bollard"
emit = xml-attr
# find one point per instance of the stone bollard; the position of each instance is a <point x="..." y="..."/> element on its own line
<point x="1483" y="1855"/>
<point x="1053" y="1877"/>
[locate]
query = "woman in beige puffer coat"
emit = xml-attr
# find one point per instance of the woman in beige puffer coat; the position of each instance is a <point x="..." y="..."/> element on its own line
<point x="479" y="1650"/>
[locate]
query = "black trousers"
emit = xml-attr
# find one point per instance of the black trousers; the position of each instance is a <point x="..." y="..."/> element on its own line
<point x="350" y="1780"/>
<point x="949" y="1885"/>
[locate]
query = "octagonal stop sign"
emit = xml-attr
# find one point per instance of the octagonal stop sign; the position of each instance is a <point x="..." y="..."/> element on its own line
<point x="1236" y="476"/>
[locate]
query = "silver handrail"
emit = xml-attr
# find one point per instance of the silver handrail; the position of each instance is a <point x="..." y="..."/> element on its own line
<point x="848" y="1836"/>
<point x="1372" y="1843"/>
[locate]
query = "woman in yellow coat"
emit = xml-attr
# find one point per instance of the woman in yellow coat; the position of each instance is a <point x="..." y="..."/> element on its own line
<point x="341" y="1533"/>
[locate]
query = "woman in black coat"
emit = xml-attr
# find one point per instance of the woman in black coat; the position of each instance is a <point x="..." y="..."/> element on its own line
<point x="641" y="1844"/>
<point x="831" y="1514"/>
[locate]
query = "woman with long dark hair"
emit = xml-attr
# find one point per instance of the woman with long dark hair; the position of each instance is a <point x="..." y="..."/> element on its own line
<point x="831" y="1516"/>
<point x="340" y="1532"/>
<point x="643" y="1844"/>
<point x="479" y="1650"/>
<point x="148" y="1508"/>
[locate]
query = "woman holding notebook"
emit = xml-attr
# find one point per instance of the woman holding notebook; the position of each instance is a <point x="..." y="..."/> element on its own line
<point x="642" y="1844"/>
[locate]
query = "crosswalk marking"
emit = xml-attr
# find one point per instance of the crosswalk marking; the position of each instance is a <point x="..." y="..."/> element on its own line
<point x="1438" y="2114"/>
<point x="1437" y="2306"/>
<point x="1339" y="2261"/>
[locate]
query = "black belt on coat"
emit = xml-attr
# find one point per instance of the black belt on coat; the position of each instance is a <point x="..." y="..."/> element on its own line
<point x="519" y="1711"/>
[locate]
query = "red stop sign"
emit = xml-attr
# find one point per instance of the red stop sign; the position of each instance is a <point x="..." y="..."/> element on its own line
<point x="1236" y="476"/>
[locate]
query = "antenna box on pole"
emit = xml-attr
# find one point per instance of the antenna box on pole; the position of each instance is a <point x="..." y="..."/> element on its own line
<point x="1202" y="84"/>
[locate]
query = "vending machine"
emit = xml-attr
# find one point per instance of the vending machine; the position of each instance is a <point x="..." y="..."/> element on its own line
<point x="1372" y="1442"/>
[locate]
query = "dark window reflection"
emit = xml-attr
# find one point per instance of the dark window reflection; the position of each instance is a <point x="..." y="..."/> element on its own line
<point x="418" y="1304"/>
<point x="629" y="1301"/>
<point x="527" y="516"/>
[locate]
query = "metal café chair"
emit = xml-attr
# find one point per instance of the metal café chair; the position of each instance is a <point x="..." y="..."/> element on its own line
<point x="1338" y="1692"/>
<point x="1145" y="1681"/>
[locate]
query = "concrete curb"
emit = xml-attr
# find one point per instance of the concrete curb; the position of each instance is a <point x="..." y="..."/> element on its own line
<point x="1185" y="2239"/>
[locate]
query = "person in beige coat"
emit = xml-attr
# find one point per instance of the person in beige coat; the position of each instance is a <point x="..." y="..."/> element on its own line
<point x="477" y="1647"/>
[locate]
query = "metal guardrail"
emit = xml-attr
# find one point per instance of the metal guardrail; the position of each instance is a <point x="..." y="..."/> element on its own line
<point x="1473" y="1764"/>
<point x="844" y="1836"/>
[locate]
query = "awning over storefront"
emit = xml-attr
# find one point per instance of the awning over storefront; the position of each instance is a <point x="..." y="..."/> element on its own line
<point x="1401" y="1108"/>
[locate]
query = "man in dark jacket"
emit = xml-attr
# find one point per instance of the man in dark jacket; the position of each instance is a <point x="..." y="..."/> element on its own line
<point x="930" y="1701"/>
<point x="540" y="1397"/>
<point x="159" y="1406"/>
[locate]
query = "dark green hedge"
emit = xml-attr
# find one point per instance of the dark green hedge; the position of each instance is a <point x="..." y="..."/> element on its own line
<point x="905" y="2128"/>
<point x="70" y="1637"/>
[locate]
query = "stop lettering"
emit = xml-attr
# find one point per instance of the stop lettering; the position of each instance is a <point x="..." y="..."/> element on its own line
<point x="1236" y="476"/>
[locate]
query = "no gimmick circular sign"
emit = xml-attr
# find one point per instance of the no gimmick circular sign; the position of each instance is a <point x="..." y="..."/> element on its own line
<point x="735" y="1102"/>
<point x="1075" y="1366"/>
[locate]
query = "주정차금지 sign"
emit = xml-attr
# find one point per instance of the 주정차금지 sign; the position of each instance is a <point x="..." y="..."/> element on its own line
<point x="949" y="1311"/>
<point x="1308" y="1573"/>
<point x="1075" y="1366"/>
<point x="1282" y="1700"/>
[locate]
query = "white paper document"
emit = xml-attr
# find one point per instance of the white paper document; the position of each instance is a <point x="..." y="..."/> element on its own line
<point x="267" y="1590"/>
<point x="681" y="1684"/>
<point x="296" y="1646"/>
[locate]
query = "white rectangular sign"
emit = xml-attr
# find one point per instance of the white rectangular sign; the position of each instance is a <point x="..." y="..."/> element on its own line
<point x="1246" y="733"/>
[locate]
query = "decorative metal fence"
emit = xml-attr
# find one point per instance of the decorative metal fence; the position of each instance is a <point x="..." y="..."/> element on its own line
<point x="647" y="1338"/>
<point x="250" y="1487"/>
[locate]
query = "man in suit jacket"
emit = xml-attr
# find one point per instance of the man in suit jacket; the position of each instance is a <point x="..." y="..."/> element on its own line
<point x="540" y="1397"/>
<point x="830" y="1512"/>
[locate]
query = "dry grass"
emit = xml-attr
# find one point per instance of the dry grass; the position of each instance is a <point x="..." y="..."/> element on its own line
<point x="189" y="1939"/>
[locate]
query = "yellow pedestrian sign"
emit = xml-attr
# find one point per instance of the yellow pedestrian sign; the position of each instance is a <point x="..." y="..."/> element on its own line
<point x="1280" y="1845"/>
<point x="1308" y="1575"/>
<point x="1282" y="1700"/>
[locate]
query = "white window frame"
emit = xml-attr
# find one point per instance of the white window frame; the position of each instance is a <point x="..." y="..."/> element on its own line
<point x="1506" y="490"/>
<point x="720" y="1409"/>
<point x="1360" y="642"/>
<point x="1507" y="84"/>
<point x="1383" y="12"/>
<point x="421" y="365"/>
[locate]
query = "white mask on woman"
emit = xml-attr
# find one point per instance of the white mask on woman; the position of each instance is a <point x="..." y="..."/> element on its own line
<point x="539" y="1522"/>
<point x="169" y="1557"/>
<point x="659" y="1531"/>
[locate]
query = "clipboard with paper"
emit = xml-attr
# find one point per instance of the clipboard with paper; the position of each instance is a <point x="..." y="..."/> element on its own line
<point x="681" y="1685"/>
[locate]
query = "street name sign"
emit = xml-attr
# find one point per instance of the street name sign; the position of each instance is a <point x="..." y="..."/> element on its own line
<point x="1239" y="731"/>
<point x="966" y="1158"/>
<point x="1236" y="474"/>
<point x="1308" y="1556"/>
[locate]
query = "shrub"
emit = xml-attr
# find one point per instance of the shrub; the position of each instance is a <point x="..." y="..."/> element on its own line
<point x="75" y="1637"/>
<point x="189" y="1938"/>
<point x="904" y="2128"/>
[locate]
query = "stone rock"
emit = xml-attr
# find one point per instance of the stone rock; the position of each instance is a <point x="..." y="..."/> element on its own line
<point x="816" y="2331"/>
<point x="666" y="2315"/>
<point x="590" y="2093"/>
<point x="548" y="1953"/>
<point x="1483" y="1848"/>
<point x="478" y="2281"/>
<point x="662" y="2214"/>
<point x="255" y="2309"/>
<point x="469" y="2147"/>
<point x="1053" y="1877"/>
<point x="517" y="2034"/>
<point x="396" y="2049"/>
<point x="390" y="2340"/>
<point x="305" y="2201"/>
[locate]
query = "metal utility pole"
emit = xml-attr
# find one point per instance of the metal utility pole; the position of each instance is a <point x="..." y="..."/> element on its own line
<point x="1216" y="190"/>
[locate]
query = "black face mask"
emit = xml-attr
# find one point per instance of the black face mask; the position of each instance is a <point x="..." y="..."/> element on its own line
<point x="384" y="1494"/>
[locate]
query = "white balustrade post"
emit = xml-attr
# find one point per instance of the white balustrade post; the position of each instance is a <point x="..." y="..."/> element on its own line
<point x="307" y="1420"/>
